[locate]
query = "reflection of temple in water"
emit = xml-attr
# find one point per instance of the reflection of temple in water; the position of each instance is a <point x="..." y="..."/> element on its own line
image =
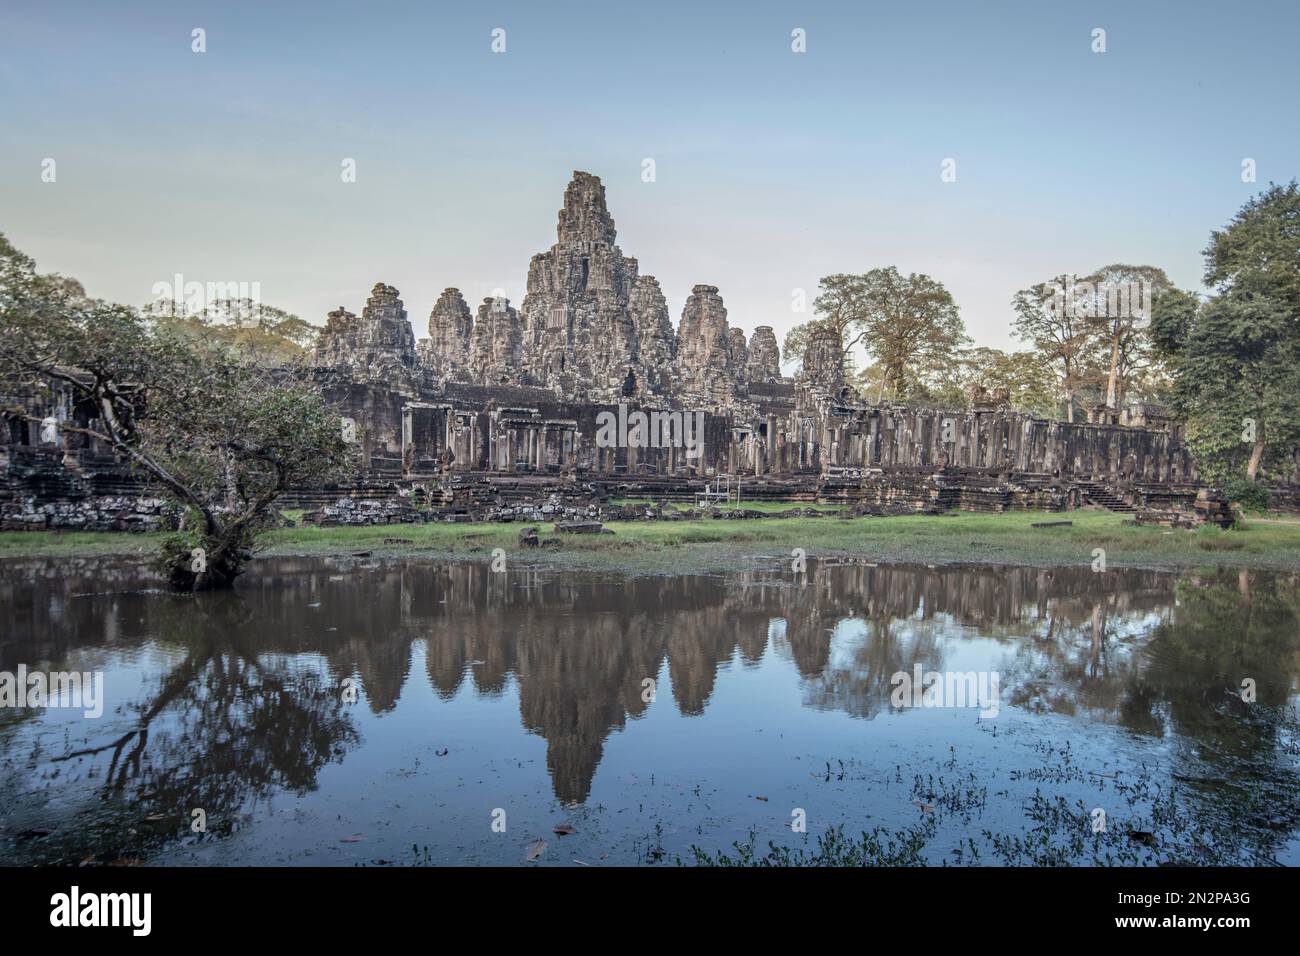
<point x="579" y="646"/>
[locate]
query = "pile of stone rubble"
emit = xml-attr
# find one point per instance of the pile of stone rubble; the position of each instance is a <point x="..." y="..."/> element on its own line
<point x="371" y="511"/>
<point x="98" y="513"/>
<point x="554" y="509"/>
<point x="365" y="511"/>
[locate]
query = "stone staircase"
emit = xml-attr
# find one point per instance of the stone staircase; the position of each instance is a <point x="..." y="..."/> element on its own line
<point x="1094" y="492"/>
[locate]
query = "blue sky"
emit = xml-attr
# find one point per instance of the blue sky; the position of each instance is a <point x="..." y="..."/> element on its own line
<point x="773" y="168"/>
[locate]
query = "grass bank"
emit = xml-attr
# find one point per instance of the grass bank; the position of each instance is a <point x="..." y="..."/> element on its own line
<point x="719" y="544"/>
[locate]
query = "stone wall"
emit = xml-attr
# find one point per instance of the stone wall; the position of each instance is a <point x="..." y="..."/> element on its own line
<point x="1004" y="441"/>
<point x="96" y="513"/>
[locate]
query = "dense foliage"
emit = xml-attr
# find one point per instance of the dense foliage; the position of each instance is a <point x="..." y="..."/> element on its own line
<point x="217" y="428"/>
<point x="1235" y="357"/>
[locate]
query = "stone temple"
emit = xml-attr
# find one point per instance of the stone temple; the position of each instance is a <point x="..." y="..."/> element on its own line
<point x="500" y="391"/>
<point x="500" y="402"/>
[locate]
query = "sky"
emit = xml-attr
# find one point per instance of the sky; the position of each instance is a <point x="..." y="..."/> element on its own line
<point x="771" y="168"/>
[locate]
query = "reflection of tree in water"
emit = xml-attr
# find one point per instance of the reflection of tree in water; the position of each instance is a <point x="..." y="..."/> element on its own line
<point x="580" y="647"/>
<point x="1078" y="655"/>
<point x="1225" y="628"/>
<point x="225" y="726"/>
<point x="1238" y="760"/>
<point x="884" y="646"/>
<point x="892" y="618"/>
<point x="243" y="712"/>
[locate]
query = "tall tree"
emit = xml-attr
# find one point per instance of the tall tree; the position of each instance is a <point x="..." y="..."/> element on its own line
<point x="1118" y="302"/>
<point x="220" y="432"/>
<point x="1048" y="316"/>
<point x="1023" y="376"/>
<point x="907" y="325"/>
<point x="1235" y="358"/>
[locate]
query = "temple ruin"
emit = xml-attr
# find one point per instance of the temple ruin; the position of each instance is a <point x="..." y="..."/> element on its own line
<point x="517" y="393"/>
<point x="505" y="401"/>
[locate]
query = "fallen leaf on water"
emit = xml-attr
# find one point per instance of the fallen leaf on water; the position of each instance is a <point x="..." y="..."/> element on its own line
<point x="925" y="807"/>
<point x="535" y="850"/>
<point x="564" y="829"/>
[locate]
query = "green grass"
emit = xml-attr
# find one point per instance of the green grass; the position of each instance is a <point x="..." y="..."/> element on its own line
<point x="39" y="544"/>
<point x="718" y="544"/>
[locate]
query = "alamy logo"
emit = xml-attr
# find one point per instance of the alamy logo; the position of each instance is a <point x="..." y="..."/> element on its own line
<point x="103" y="909"/>
<point x="54" y="689"/>
<point x="653" y="430"/>
<point x="924" y="688"/>
<point x="241" y="302"/>
<point x="1081" y="299"/>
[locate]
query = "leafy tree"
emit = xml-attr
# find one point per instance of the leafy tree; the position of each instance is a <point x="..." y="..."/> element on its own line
<point x="943" y="385"/>
<point x="1061" y="333"/>
<point x="272" y="334"/>
<point x="218" y="430"/>
<point x="908" y="325"/>
<point x="1148" y="383"/>
<point x="869" y="379"/>
<point x="1258" y="252"/>
<point x="796" y="341"/>
<point x="1024" y="376"/>
<point x="1235" y="358"/>
<point x="1118" y="303"/>
<point x="1236" y="369"/>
